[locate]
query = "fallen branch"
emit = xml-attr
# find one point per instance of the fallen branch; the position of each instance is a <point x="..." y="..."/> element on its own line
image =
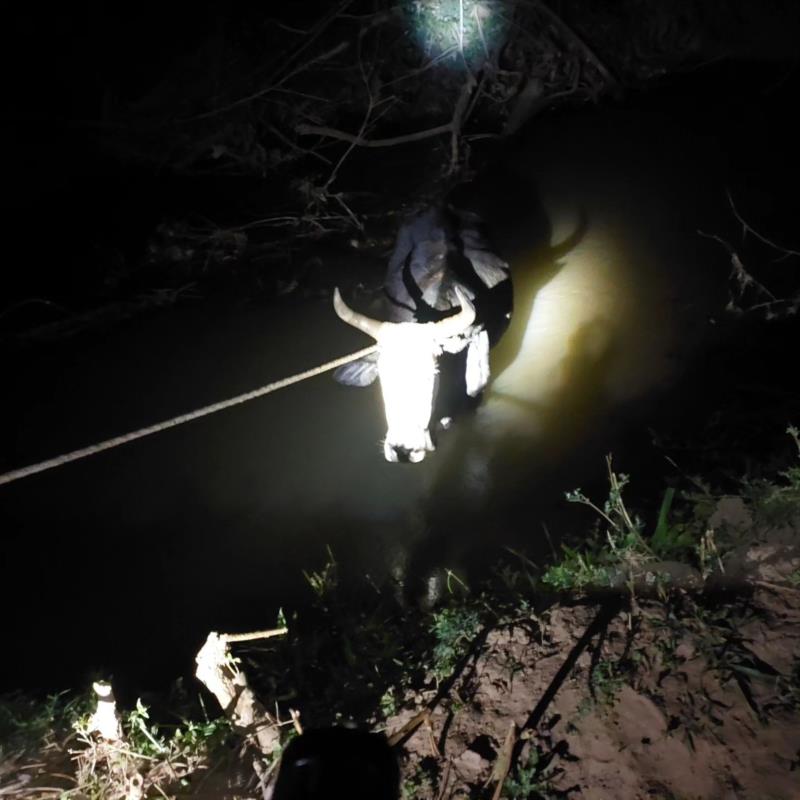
<point x="218" y="672"/>
<point x="503" y="764"/>
<point x="459" y="117"/>
<point x="406" y="730"/>
<point x="333" y="133"/>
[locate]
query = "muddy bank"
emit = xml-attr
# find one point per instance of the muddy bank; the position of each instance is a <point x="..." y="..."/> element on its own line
<point x="682" y="681"/>
<point x="685" y="700"/>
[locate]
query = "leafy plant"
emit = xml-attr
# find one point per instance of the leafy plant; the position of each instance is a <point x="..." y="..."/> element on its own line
<point x="147" y="756"/>
<point x="532" y="780"/>
<point x="777" y="503"/>
<point x="576" y="571"/>
<point x="606" y="680"/>
<point x="326" y="580"/>
<point x="25" y="722"/>
<point x="453" y="629"/>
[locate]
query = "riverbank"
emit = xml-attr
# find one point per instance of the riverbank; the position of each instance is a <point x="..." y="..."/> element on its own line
<point x="659" y="658"/>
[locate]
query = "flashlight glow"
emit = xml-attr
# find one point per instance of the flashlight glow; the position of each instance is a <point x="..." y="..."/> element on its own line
<point x="467" y="27"/>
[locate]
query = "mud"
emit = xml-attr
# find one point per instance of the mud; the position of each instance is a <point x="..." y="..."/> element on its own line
<point x="696" y="697"/>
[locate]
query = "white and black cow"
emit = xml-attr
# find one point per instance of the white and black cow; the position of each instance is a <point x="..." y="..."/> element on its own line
<point x="446" y="292"/>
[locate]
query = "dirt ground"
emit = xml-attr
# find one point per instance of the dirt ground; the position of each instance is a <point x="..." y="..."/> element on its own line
<point x="680" y="697"/>
<point x="695" y="697"/>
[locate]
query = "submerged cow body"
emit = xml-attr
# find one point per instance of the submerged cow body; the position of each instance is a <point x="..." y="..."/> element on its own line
<point x="445" y="292"/>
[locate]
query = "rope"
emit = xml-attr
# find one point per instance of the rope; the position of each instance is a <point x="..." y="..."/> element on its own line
<point x="23" y="472"/>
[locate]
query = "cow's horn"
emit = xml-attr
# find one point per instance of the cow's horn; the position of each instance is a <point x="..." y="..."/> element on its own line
<point x="458" y="323"/>
<point x="370" y="326"/>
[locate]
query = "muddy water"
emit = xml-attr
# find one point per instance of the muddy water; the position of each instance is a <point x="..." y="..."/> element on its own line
<point x="124" y="561"/>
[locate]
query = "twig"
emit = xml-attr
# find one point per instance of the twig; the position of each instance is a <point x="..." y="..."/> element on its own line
<point x="362" y="129"/>
<point x="32" y="301"/>
<point x="549" y="540"/>
<point x="445" y="780"/>
<point x="615" y="487"/>
<point x="295" y="715"/>
<point x="249" y="637"/>
<point x="588" y="52"/>
<point x="459" y="116"/>
<point x="432" y="63"/>
<point x="328" y="54"/>
<point x="503" y="764"/>
<point x="408" y="728"/>
<point x="738" y="271"/>
<point x="431" y="738"/>
<point x="272" y="81"/>
<point x="333" y="133"/>
<point x="746" y="228"/>
<point x="480" y="30"/>
<point x="289" y="143"/>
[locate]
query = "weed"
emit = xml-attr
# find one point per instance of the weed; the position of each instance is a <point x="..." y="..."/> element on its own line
<point x="148" y="756"/>
<point x="776" y="503"/>
<point x="324" y="582"/>
<point x="532" y="780"/>
<point x="389" y="703"/>
<point x="605" y="681"/>
<point x="416" y="784"/>
<point x="623" y="549"/>
<point x="25" y="723"/>
<point x="576" y="571"/>
<point x="624" y="552"/>
<point x="453" y="629"/>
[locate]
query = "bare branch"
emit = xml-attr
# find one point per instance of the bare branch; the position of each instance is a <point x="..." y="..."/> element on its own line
<point x="289" y="143"/>
<point x="333" y="133"/>
<point x="746" y="228"/>
<point x="571" y="34"/>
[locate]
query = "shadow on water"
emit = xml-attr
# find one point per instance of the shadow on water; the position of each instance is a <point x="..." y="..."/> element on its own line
<point x="613" y="296"/>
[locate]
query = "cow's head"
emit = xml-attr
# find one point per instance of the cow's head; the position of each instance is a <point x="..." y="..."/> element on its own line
<point x="407" y="367"/>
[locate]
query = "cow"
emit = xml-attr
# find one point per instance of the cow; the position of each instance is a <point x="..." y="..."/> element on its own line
<point x="446" y="292"/>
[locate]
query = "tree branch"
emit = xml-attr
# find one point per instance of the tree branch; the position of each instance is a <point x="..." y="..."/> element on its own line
<point x="333" y="133"/>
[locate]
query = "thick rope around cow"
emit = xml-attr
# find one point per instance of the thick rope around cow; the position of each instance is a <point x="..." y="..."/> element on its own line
<point x="23" y="472"/>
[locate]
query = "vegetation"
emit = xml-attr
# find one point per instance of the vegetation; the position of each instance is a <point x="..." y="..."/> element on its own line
<point x="362" y="655"/>
<point x="148" y="756"/>
<point x="623" y="550"/>
<point x="532" y="780"/>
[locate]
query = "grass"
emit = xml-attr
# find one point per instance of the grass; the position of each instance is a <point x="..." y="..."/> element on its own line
<point x="621" y="546"/>
<point x="27" y="724"/>
<point x="776" y="502"/>
<point x="149" y="755"/>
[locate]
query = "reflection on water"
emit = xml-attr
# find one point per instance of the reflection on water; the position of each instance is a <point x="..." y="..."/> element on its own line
<point x="612" y="301"/>
<point x="209" y="526"/>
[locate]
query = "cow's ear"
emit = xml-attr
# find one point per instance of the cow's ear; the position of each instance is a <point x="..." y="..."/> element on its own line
<point x="357" y="373"/>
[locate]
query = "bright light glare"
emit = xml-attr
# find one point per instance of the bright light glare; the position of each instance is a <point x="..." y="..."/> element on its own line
<point x="471" y="27"/>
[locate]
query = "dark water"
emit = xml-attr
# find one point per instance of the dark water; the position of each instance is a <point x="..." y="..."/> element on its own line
<point x="123" y="562"/>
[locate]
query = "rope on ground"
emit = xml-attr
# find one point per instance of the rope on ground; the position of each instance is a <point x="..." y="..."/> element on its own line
<point x="23" y="472"/>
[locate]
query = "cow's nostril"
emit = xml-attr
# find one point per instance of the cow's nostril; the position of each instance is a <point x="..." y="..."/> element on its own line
<point x="405" y="455"/>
